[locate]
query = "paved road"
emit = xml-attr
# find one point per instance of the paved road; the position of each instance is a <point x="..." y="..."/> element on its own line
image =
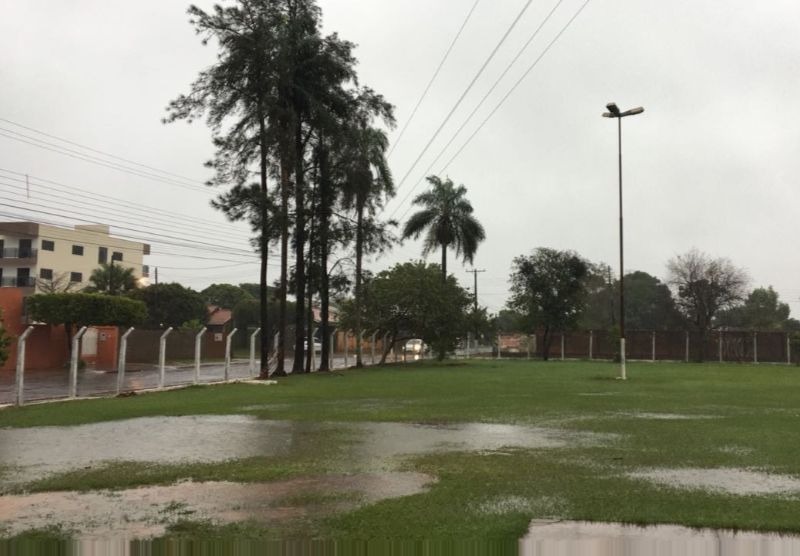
<point x="47" y="385"/>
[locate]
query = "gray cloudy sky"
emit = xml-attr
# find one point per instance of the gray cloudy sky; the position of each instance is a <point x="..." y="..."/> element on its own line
<point x="713" y="163"/>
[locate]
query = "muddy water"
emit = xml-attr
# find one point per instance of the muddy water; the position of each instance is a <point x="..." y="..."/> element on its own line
<point x="602" y="539"/>
<point x="146" y="512"/>
<point x="34" y="453"/>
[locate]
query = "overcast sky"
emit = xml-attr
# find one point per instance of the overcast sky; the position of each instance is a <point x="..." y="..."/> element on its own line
<point x="713" y="162"/>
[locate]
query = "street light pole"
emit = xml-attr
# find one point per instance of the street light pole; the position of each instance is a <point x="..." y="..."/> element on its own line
<point x="614" y="112"/>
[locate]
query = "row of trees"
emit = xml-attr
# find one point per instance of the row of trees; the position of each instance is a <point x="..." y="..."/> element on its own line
<point x="559" y="290"/>
<point x="301" y="150"/>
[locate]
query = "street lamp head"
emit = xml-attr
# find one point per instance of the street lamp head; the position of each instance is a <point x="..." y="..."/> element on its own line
<point x="612" y="107"/>
<point x="632" y="112"/>
<point x="607" y="115"/>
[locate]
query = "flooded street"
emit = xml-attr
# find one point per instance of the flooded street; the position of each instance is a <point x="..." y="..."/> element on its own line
<point x="567" y="538"/>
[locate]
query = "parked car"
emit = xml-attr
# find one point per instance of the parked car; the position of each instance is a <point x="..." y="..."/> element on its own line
<point x="416" y="346"/>
<point x="317" y="345"/>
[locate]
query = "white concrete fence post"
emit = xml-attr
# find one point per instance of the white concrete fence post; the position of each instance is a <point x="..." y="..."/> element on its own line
<point x="123" y="359"/>
<point x="20" y="375"/>
<point x="346" y="334"/>
<point x="360" y="348"/>
<point x="653" y="358"/>
<point x="719" y="339"/>
<point x="562" y="346"/>
<point x="73" y="365"/>
<point x="499" y="351"/>
<point x="253" y="338"/>
<point x="528" y="345"/>
<point x="788" y="350"/>
<point x="466" y="356"/>
<point x="228" y="354"/>
<point x="162" y="357"/>
<point x="755" y="347"/>
<point x="591" y="345"/>
<point x="374" y="339"/>
<point x="198" y="349"/>
<point x="384" y="344"/>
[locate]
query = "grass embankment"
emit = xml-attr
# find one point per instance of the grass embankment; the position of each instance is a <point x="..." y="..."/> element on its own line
<point x="731" y="417"/>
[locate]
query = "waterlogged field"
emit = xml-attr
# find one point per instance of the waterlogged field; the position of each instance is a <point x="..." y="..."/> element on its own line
<point x="427" y="456"/>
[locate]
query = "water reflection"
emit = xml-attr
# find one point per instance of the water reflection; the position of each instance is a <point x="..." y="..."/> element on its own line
<point x="602" y="539"/>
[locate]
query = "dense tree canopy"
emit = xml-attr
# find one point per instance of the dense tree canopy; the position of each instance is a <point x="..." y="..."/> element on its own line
<point x="762" y="310"/>
<point x="547" y="288"/>
<point x="226" y="296"/>
<point x="171" y="304"/>
<point x="410" y="300"/>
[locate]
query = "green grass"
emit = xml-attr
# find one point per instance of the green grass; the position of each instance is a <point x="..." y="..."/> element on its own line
<point x="755" y="424"/>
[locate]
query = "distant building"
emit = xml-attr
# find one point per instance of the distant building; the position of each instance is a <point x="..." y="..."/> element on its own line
<point x="34" y="255"/>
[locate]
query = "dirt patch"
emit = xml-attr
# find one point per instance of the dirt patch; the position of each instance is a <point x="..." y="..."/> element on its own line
<point x="595" y="539"/>
<point x="148" y="511"/>
<point x="741" y="482"/>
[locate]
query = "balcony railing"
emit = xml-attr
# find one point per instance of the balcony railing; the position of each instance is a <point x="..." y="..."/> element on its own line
<point x="17" y="282"/>
<point x="18" y="253"/>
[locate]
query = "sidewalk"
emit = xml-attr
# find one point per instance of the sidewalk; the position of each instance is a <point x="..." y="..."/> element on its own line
<point x="54" y="384"/>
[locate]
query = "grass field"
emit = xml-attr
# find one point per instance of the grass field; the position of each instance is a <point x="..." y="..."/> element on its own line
<point x="667" y="417"/>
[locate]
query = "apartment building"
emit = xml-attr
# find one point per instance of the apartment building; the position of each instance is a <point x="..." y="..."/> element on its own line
<point x="34" y="255"/>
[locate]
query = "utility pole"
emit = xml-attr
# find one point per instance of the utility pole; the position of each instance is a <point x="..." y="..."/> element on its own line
<point x="474" y="273"/>
<point x="156" y="276"/>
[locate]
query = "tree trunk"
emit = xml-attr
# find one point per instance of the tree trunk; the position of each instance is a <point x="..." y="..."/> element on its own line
<point x="310" y="291"/>
<point x="280" y="369"/>
<point x="262" y="289"/>
<point x="359" y="280"/>
<point x="300" y="332"/>
<point x="547" y="337"/>
<point x="324" y="223"/>
<point x="388" y="347"/>
<point x="444" y="262"/>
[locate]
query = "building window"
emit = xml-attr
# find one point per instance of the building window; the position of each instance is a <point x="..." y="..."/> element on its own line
<point x="77" y="250"/>
<point x="75" y="277"/>
<point x="116" y="256"/>
<point x="46" y="273"/>
<point x="145" y="270"/>
<point x="48" y="245"/>
<point x="102" y="255"/>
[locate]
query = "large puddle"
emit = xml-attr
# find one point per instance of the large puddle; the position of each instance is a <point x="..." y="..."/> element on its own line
<point x="603" y="539"/>
<point x="148" y="511"/>
<point x="741" y="482"/>
<point x="33" y="453"/>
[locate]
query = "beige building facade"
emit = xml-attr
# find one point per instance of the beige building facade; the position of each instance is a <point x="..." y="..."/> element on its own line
<point x="33" y="255"/>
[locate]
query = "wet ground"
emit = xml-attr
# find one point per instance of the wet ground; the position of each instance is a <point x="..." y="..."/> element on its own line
<point x="741" y="482"/>
<point x="34" y="453"/>
<point x="147" y="511"/>
<point x="602" y="539"/>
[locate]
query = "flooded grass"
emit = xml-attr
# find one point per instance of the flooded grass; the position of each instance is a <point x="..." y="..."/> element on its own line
<point x="507" y="441"/>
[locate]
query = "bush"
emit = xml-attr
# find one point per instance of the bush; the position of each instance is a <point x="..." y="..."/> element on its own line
<point x="5" y="341"/>
<point x="86" y="309"/>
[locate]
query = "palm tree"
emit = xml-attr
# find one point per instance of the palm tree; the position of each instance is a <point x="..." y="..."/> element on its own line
<point x="112" y="279"/>
<point x="369" y="182"/>
<point x="447" y="217"/>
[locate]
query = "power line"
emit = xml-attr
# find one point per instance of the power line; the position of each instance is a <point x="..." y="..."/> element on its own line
<point x="464" y="94"/>
<point x="64" y="200"/>
<point x="97" y="161"/>
<point x="70" y="189"/>
<point x="433" y="78"/>
<point x="204" y="246"/>
<point x="102" y="152"/>
<point x="482" y="101"/>
<point x="517" y="84"/>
